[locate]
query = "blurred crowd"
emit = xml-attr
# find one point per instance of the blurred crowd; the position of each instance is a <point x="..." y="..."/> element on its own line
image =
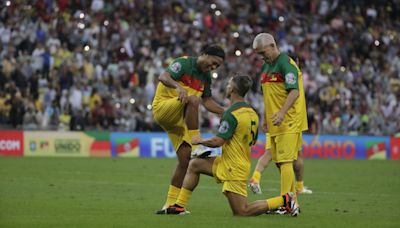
<point x="93" y="64"/>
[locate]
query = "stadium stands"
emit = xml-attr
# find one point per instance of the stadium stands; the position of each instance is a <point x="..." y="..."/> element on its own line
<point x="76" y="65"/>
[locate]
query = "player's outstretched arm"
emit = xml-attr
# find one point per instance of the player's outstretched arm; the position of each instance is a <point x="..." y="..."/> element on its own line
<point x="212" y="106"/>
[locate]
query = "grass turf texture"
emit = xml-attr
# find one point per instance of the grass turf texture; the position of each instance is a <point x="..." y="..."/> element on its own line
<point x="99" y="192"/>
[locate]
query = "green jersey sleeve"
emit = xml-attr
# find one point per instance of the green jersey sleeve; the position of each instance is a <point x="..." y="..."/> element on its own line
<point x="207" y="87"/>
<point x="227" y="126"/>
<point x="178" y="67"/>
<point x="290" y="74"/>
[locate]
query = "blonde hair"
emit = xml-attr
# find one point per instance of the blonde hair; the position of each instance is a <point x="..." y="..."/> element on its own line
<point x="263" y="40"/>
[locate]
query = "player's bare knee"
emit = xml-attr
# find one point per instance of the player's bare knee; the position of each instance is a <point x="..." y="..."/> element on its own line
<point x="193" y="101"/>
<point x="300" y="154"/>
<point x="183" y="163"/>
<point x="298" y="163"/>
<point x="194" y="165"/>
<point x="241" y="212"/>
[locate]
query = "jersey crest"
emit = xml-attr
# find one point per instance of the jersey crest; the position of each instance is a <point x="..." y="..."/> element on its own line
<point x="175" y="67"/>
<point x="290" y="78"/>
<point x="224" y="127"/>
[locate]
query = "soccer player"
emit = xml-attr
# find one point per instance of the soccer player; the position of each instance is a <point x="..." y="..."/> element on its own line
<point x="284" y="105"/>
<point x="265" y="159"/>
<point x="238" y="131"/>
<point x="184" y="84"/>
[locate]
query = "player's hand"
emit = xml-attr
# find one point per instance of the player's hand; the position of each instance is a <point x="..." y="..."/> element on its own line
<point x="196" y="140"/>
<point x="277" y="118"/>
<point x="182" y="94"/>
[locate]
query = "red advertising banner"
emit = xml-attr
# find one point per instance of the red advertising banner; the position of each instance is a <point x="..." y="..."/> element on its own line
<point x="11" y="143"/>
<point x="395" y="148"/>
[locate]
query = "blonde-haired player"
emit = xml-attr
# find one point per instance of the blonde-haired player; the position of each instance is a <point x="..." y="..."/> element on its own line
<point x="284" y="106"/>
<point x="266" y="158"/>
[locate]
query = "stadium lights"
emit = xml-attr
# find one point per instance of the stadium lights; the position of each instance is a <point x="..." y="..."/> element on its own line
<point x="213" y="6"/>
<point x="8" y="3"/>
<point x="215" y="75"/>
<point x="376" y="43"/>
<point x="217" y="13"/>
<point x="238" y="53"/>
<point x="236" y="34"/>
<point x="106" y="23"/>
<point x="281" y="19"/>
<point x="81" y="25"/>
<point x="86" y="48"/>
<point x="81" y="15"/>
<point x="132" y="101"/>
<point x="149" y="107"/>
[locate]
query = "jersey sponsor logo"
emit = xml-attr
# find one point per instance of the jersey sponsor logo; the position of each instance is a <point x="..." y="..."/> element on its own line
<point x="290" y="79"/>
<point x="192" y="82"/>
<point x="224" y="127"/>
<point x="271" y="77"/>
<point x="175" y="67"/>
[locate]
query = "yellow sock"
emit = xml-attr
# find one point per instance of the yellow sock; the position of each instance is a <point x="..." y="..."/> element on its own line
<point x="299" y="185"/>
<point x="256" y="176"/>
<point x="172" y="195"/>
<point x="293" y="187"/>
<point x="193" y="133"/>
<point x="183" y="197"/>
<point x="287" y="178"/>
<point x="275" y="203"/>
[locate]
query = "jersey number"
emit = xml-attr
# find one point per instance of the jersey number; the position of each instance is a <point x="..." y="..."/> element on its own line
<point x="254" y="133"/>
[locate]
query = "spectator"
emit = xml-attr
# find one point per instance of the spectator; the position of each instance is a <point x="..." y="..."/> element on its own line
<point x="76" y="97"/>
<point x="94" y="99"/>
<point x="17" y="111"/>
<point x="77" y="122"/>
<point x="32" y="118"/>
<point x="51" y="116"/>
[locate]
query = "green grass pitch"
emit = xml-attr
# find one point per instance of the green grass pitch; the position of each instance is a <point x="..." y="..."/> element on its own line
<point x="102" y="192"/>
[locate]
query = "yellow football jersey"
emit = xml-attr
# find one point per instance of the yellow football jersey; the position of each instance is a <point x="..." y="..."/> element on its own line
<point x="239" y="126"/>
<point x="184" y="71"/>
<point x="277" y="79"/>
